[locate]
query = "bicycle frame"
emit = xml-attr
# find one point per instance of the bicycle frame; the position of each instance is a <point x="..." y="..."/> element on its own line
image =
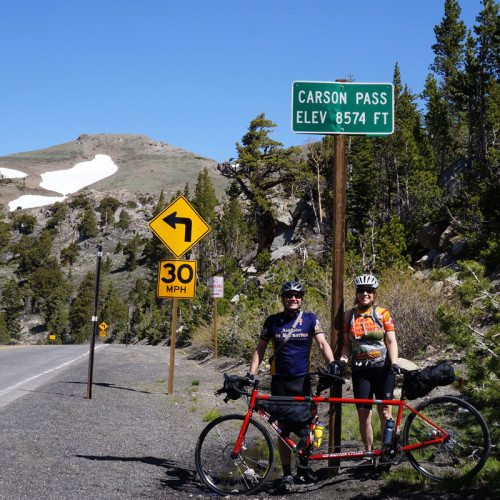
<point x="440" y="435"/>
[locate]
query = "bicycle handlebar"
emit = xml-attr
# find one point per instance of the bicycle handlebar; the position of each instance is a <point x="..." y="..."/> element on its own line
<point x="326" y="373"/>
<point x="234" y="384"/>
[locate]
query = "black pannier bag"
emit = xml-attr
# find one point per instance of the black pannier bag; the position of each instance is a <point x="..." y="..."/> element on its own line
<point x="293" y="415"/>
<point x="418" y="383"/>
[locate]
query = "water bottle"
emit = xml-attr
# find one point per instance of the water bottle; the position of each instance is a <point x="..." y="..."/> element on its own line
<point x="389" y="427"/>
<point x="318" y="434"/>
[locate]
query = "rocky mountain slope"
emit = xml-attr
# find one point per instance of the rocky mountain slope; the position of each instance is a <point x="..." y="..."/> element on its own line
<point x="144" y="166"/>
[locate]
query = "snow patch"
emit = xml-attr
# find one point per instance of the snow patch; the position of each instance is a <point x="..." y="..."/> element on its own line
<point x="10" y="173"/>
<point x="81" y="175"/>
<point x="65" y="181"/>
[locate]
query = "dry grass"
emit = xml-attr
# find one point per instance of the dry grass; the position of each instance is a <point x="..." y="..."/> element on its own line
<point x="412" y="305"/>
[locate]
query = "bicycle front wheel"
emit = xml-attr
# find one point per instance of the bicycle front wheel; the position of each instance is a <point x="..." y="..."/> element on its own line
<point x="462" y="454"/>
<point x="226" y="473"/>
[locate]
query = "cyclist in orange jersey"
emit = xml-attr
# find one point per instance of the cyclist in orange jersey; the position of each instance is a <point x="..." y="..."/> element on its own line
<point x="370" y="342"/>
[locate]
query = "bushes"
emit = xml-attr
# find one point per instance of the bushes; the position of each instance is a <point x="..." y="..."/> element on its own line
<point x="412" y="305"/>
<point x="473" y="325"/>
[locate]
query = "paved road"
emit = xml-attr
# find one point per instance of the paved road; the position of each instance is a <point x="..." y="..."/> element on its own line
<point x="24" y="368"/>
<point x="121" y="444"/>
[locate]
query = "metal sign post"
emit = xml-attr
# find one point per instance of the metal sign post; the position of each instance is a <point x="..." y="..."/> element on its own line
<point x="94" y="322"/>
<point x="216" y="286"/>
<point x="215" y="328"/>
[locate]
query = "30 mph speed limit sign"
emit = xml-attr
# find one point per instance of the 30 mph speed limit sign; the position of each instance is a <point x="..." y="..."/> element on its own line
<point x="177" y="279"/>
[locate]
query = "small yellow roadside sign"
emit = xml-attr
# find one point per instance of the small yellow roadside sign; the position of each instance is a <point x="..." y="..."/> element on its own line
<point x="103" y="326"/>
<point x="179" y="226"/>
<point x="177" y="279"/>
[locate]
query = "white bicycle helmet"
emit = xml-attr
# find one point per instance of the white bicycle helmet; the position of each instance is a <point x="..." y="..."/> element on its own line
<point x="292" y="286"/>
<point x="366" y="280"/>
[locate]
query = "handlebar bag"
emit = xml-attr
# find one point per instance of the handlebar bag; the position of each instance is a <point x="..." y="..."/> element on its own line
<point x="418" y="383"/>
<point x="232" y="385"/>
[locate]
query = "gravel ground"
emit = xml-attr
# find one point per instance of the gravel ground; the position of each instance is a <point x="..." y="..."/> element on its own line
<point x="132" y="440"/>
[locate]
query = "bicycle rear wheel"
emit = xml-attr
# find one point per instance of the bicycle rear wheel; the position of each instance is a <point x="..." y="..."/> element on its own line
<point x="462" y="454"/>
<point x="244" y="473"/>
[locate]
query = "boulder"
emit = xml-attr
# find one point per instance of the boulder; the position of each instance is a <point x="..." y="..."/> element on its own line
<point x="429" y="236"/>
<point x="445" y="238"/>
<point x="281" y="253"/>
<point x="458" y="249"/>
<point x="427" y="259"/>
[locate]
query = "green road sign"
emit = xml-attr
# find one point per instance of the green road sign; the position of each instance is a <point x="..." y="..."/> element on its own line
<point x="342" y="108"/>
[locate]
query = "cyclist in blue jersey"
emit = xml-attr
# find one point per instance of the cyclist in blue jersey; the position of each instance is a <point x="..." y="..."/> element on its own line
<point x="292" y="332"/>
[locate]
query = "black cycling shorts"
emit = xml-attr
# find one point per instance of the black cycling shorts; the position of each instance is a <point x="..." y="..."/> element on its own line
<point x="282" y="385"/>
<point x="373" y="383"/>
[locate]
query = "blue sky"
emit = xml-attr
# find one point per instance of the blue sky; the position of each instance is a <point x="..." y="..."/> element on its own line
<point x="194" y="73"/>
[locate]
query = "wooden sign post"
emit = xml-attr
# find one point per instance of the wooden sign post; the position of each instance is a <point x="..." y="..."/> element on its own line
<point x="337" y="305"/>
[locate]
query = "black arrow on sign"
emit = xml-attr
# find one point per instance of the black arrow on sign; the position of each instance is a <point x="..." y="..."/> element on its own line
<point x="172" y="220"/>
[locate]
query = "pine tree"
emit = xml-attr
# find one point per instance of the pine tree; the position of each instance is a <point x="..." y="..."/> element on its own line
<point x="31" y="253"/>
<point x="113" y="312"/>
<point x="391" y="246"/>
<point x="69" y="254"/>
<point x="24" y="223"/>
<point x="262" y="165"/>
<point x="124" y="220"/>
<point x="12" y="301"/>
<point x="107" y="208"/>
<point x="205" y="199"/>
<point x="160" y="205"/>
<point x="233" y="233"/>
<point x="88" y="224"/>
<point x="55" y="312"/>
<point x="412" y="169"/>
<point x="362" y="183"/>
<point x="59" y="211"/>
<point x="488" y="49"/>
<point x="448" y="61"/>
<point x="4" y="330"/>
<point x="436" y="121"/>
<point x="45" y="280"/>
<point x="81" y="310"/>
<point x="130" y="250"/>
<point x="5" y="236"/>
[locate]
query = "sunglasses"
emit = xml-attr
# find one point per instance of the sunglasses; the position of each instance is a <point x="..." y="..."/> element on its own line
<point x="293" y="295"/>
<point x="365" y="290"/>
